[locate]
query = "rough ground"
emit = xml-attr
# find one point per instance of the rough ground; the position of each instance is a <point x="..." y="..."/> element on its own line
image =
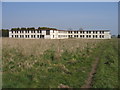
<point x="88" y="82"/>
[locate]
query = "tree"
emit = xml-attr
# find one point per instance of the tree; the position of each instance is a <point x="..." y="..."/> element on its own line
<point x="13" y="29"/>
<point x="5" y="33"/>
<point x="70" y="29"/>
<point x="81" y="29"/>
<point x="23" y="28"/>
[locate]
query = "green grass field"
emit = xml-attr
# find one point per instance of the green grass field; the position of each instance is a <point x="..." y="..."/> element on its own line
<point x="50" y="63"/>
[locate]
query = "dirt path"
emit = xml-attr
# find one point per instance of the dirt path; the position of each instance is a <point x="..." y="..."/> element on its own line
<point x="89" y="80"/>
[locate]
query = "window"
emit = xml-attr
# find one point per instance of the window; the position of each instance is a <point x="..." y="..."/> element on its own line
<point x="93" y="31"/>
<point x="22" y="31"/>
<point x="34" y="31"/>
<point x="102" y="36"/>
<point x="89" y="31"/>
<point x="89" y="36"/>
<point x="25" y="31"/>
<point x="23" y="36"/>
<point x="93" y="36"/>
<point x="31" y="36"/>
<point x="96" y="32"/>
<point x="47" y="32"/>
<point x="96" y="36"/>
<point x="74" y="31"/>
<point x="34" y="36"/>
<point x="53" y="36"/>
<point x="26" y="36"/>
<point x="38" y="31"/>
<point x="83" y="32"/>
<point x="37" y="36"/>
<point x="80" y="31"/>
<point x="12" y="31"/>
<point x="80" y="35"/>
<point x="28" y="31"/>
<point x="31" y="31"/>
<point x="68" y="31"/>
<point x="103" y="32"/>
<point x="12" y="35"/>
<point x="53" y="31"/>
<point x="83" y="36"/>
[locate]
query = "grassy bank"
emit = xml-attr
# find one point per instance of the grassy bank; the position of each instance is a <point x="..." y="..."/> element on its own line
<point x="51" y="63"/>
<point x="107" y="71"/>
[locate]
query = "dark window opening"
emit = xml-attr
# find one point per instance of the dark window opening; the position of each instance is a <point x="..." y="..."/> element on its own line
<point x="37" y="36"/>
<point x="103" y="32"/>
<point x="96" y="36"/>
<point x="102" y="36"/>
<point x="87" y="36"/>
<point x="47" y="32"/>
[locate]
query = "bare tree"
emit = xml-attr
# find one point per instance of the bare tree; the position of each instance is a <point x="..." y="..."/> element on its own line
<point x="70" y="29"/>
<point x="81" y="29"/>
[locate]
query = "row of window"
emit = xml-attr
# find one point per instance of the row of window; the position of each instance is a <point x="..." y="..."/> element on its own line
<point x="62" y="35"/>
<point x="39" y="31"/>
<point x="87" y="36"/>
<point x="27" y="31"/>
<point x="88" y="32"/>
<point x="42" y="36"/>
<point x="28" y="36"/>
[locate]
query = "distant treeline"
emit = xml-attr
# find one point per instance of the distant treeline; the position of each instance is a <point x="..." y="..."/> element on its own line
<point x="4" y="33"/>
<point x="32" y="28"/>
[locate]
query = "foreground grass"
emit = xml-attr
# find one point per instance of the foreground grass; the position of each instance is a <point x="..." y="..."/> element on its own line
<point x="107" y="71"/>
<point x="67" y="62"/>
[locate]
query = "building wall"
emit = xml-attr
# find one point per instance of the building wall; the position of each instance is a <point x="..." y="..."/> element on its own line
<point x="59" y="34"/>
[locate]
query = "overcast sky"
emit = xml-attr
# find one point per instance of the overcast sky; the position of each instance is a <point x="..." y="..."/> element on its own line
<point x="61" y="15"/>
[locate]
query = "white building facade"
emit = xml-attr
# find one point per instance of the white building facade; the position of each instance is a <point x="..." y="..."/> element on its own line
<point x="60" y="34"/>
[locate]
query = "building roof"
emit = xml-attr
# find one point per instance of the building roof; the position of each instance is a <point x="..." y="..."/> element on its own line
<point x="84" y="30"/>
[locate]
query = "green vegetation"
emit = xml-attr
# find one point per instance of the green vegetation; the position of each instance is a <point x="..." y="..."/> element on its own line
<point x="66" y="62"/>
<point x="5" y="33"/>
<point x="32" y="28"/>
<point x="107" y="71"/>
